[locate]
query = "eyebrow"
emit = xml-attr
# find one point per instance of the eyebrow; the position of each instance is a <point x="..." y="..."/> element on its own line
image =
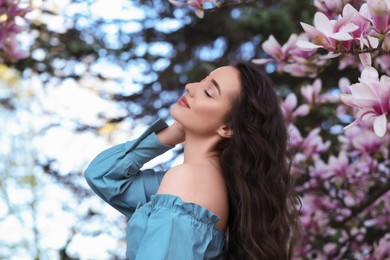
<point x="216" y="85"/>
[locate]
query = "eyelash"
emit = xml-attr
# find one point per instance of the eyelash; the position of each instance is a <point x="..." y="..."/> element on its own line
<point x="207" y="94"/>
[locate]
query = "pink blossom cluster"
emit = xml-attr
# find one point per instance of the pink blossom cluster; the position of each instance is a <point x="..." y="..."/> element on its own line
<point x="344" y="182"/>
<point x="343" y="178"/>
<point x="334" y="187"/>
<point x="339" y="28"/>
<point x="334" y="191"/>
<point x="332" y="8"/>
<point x="372" y="98"/>
<point x="352" y="31"/>
<point x="9" y="11"/>
<point x="290" y="58"/>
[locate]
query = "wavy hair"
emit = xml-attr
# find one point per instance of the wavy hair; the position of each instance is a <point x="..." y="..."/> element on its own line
<point x="264" y="216"/>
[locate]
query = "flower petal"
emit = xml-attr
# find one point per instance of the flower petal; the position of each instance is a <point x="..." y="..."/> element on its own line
<point x="199" y="12"/>
<point x="311" y="31"/>
<point x="350" y="27"/>
<point x="384" y="93"/>
<point x="374" y="42"/>
<point x="291" y="43"/>
<point x="290" y="102"/>
<point x="380" y="125"/>
<point x="341" y="36"/>
<point x="271" y="46"/>
<point x="308" y="46"/>
<point x="386" y="42"/>
<point x="365" y="59"/>
<point x="317" y="86"/>
<point x="362" y="91"/>
<point x="344" y="85"/>
<point x="302" y="110"/>
<point x="323" y="24"/>
<point x="261" y="61"/>
<point x="354" y="123"/>
<point x="369" y="73"/>
<point x="347" y="99"/>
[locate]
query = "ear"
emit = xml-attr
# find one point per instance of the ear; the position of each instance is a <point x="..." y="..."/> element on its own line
<point x="225" y="131"/>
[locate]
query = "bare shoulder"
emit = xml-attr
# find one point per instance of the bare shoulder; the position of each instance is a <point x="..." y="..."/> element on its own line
<point x="200" y="184"/>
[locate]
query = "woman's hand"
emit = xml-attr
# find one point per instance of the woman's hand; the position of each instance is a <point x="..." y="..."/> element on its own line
<point x="172" y="135"/>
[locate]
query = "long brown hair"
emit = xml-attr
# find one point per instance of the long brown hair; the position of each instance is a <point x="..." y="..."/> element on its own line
<point x="263" y="217"/>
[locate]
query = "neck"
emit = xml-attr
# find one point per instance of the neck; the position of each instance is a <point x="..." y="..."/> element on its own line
<point x="198" y="150"/>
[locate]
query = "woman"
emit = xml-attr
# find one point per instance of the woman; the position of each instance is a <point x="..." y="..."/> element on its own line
<point x="231" y="198"/>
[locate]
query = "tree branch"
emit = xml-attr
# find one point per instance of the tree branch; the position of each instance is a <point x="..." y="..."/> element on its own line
<point x="358" y="209"/>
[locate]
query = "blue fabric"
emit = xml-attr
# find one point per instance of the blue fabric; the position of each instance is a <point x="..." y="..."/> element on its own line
<point x="161" y="226"/>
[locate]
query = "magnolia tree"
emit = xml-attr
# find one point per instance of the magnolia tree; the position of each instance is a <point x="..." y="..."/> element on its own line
<point x="344" y="182"/>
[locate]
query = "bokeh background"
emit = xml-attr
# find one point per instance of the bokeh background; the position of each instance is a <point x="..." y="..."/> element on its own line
<point x="83" y="75"/>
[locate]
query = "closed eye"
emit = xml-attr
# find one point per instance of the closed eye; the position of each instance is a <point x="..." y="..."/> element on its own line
<point x="207" y="93"/>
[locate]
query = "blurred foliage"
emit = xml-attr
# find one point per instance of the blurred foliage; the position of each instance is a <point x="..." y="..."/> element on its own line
<point x="225" y="35"/>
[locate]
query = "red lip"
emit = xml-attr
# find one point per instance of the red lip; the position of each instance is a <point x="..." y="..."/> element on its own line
<point x="183" y="102"/>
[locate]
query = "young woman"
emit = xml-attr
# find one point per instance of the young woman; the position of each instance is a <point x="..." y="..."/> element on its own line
<point x="231" y="198"/>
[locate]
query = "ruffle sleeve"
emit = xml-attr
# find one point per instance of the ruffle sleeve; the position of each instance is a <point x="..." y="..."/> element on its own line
<point x="115" y="173"/>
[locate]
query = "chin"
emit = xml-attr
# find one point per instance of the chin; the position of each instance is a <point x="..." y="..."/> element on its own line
<point x="175" y="113"/>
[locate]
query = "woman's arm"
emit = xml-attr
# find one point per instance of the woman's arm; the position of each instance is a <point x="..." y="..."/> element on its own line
<point x="115" y="173"/>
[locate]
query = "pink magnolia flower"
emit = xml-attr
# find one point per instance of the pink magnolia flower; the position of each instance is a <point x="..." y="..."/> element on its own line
<point x="315" y="213"/>
<point x="329" y="33"/>
<point x="383" y="62"/>
<point x="314" y="144"/>
<point x="290" y="58"/>
<point x="368" y="142"/>
<point x="279" y="53"/>
<point x="329" y="7"/>
<point x="312" y="93"/>
<point x="372" y="98"/>
<point x="360" y="18"/>
<point x="346" y="61"/>
<point x="290" y="109"/>
<point x="344" y="85"/>
<point x="361" y="141"/>
<point x="300" y="66"/>
<point x="196" y="4"/>
<point x="380" y="14"/>
<point x="295" y="137"/>
<point x="326" y="33"/>
<point x="339" y="166"/>
<point x="382" y="249"/>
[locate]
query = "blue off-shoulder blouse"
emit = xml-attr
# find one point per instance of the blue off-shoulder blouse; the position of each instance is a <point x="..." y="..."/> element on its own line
<point x="160" y="226"/>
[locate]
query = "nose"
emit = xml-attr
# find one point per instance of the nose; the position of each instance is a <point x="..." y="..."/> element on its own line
<point x="189" y="89"/>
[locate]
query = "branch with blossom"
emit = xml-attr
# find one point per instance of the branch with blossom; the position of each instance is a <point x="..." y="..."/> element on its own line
<point x="291" y="59"/>
<point x="351" y="32"/>
<point x="343" y="182"/>
<point x="342" y="192"/>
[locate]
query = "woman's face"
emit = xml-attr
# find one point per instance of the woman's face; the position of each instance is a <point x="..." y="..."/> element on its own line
<point x="204" y="107"/>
